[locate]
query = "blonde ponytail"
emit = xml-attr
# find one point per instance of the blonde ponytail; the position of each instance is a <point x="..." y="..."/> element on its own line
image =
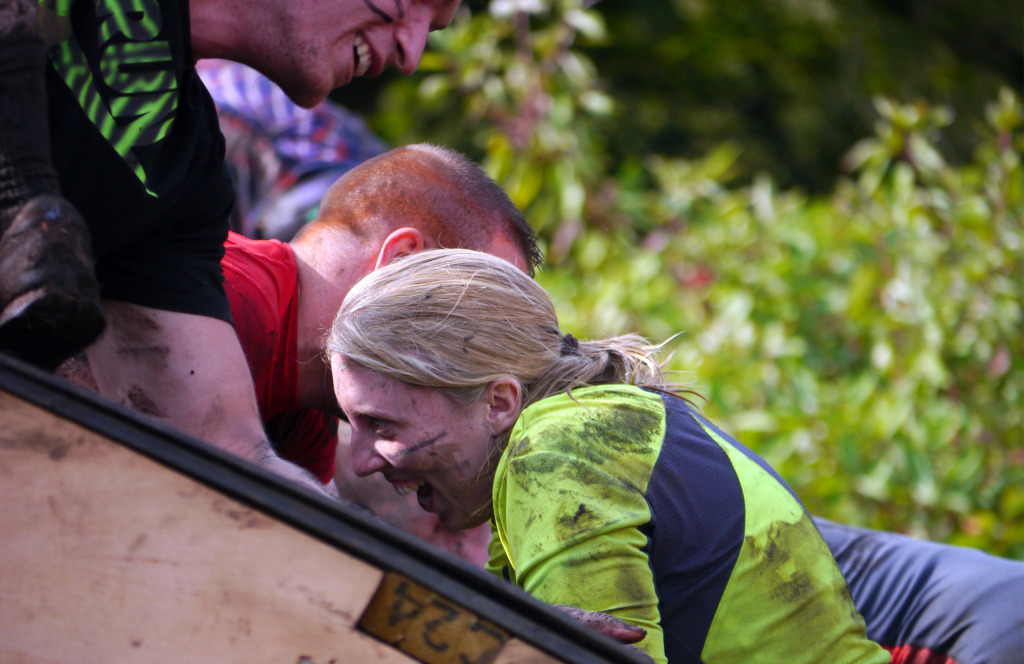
<point x="457" y="319"/>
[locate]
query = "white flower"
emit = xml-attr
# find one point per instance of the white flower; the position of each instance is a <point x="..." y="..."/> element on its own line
<point x="505" y="8"/>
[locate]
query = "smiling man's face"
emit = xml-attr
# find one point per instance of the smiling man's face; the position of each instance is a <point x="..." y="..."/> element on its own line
<point x="310" y="47"/>
<point x="420" y="440"/>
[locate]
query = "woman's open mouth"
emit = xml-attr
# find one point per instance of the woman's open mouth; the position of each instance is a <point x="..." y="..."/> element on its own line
<point x="424" y="492"/>
<point x="425" y="497"/>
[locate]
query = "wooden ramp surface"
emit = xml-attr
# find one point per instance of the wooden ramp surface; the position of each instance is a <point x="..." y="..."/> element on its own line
<point x="124" y="541"/>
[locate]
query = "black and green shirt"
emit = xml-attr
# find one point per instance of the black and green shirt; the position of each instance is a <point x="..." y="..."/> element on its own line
<point x="137" y="148"/>
<point x="626" y="501"/>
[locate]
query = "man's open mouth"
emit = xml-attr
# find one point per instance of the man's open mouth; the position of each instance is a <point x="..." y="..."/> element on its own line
<point x="361" y="53"/>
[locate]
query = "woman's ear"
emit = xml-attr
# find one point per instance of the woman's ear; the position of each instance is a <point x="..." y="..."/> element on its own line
<point x="504" y="397"/>
<point x="399" y="243"/>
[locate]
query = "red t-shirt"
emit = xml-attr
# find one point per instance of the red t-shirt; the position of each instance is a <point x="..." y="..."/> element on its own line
<point x="261" y="281"/>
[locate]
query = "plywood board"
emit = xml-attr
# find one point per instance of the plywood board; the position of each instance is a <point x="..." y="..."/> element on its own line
<point x="108" y="557"/>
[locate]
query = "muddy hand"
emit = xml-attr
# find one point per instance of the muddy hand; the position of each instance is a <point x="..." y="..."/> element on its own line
<point x="608" y="625"/>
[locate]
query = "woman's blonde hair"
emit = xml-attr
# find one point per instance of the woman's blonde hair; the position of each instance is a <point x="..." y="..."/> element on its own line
<point x="458" y="319"/>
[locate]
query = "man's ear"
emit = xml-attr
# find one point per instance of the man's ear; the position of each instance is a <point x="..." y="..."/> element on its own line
<point x="504" y="396"/>
<point x="401" y="242"/>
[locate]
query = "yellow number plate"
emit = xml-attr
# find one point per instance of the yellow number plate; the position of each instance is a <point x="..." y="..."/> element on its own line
<point x="427" y="626"/>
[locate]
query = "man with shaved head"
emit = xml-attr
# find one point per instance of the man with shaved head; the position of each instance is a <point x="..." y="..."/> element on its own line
<point x="285" y="295"/>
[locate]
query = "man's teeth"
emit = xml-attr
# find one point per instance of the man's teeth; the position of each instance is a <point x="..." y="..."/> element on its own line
<point x="362" y="50"/>
<point x="406" y="489"/>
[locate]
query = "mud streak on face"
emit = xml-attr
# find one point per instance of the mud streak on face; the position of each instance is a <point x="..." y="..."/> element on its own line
<point x="420" y="445"/>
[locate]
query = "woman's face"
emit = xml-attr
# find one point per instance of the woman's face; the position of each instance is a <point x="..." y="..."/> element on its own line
<point x="420" y="440"/>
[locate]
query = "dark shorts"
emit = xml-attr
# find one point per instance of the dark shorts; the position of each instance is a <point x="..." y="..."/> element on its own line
<point x="927" y="602"/>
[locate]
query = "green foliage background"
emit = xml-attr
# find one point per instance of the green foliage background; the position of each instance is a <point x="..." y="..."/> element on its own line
<point x="865" y="337"/>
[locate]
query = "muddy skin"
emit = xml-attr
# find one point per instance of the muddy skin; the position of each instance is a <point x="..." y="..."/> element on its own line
<point x="155" y="354"/>
<point x="426" y="443"/>
<point x="608" y="625"/>
<point x="139" y="401"/>
<point x="447" y="458"/>
<point x="604" y="623"/>
<point x="135" y="333"/>
<point x="411" y="433"/>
